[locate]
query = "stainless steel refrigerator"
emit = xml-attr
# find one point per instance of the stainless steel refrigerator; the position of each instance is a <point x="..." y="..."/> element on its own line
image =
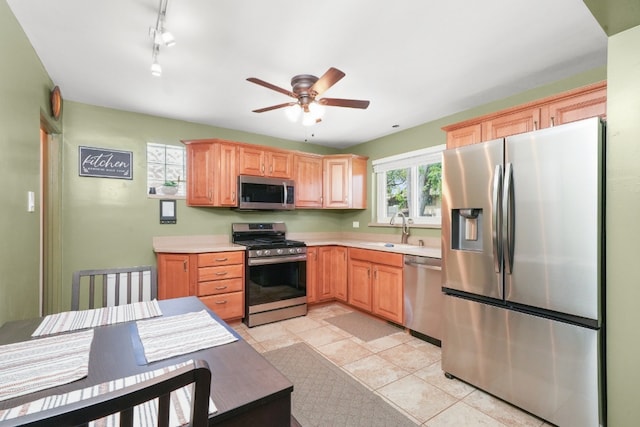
<point x="523" y="270"/>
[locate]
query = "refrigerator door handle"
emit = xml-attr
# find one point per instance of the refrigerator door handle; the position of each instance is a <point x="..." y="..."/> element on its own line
<point x="496" y="217"/>
<point x="508" y="219"/>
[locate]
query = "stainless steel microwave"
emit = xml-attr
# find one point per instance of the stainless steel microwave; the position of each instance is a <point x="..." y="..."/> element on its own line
<point x="258" y="192"/>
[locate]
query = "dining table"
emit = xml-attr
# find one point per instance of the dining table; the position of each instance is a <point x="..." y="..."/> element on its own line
<point x="245" y="388"/>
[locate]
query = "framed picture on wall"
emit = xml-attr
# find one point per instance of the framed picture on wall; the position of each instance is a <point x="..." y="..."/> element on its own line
<point x="105" y="163"/>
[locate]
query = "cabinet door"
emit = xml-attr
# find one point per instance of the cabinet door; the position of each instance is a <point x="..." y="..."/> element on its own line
<point x="226" y="183"/>
<point x="336" y="183"/>
<point x="200" y="160"/>
<point x="360" y="284"/>
<point x="312" y="275"/>
<point x="511" y="124"/>
<point x="251" y="161"/>
<point x="387" y="292"/>
<point x="280" y="164"/>
<point x="464" y="136"/>
<point x="174" y="278"/>
<point x="574" y="108"/>
<point x="325" y="269"/>
<point x="339" y="272"/>
<point x="308" y="178"/>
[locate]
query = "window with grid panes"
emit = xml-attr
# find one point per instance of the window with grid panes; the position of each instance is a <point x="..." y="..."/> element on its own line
<point x="166" y="163"/>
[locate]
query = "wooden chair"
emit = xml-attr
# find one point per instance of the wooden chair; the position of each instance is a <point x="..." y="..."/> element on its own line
<point x="124" y="400"/>
<point x="115" y="286"/>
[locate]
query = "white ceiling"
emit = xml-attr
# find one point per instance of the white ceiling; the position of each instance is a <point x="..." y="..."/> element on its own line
<point x="415" y="60"/>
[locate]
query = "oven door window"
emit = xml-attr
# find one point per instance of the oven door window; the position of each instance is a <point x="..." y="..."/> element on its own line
<point x="276" y="282"/>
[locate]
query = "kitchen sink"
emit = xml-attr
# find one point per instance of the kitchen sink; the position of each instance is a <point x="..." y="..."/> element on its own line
<point x="391" y="245"/>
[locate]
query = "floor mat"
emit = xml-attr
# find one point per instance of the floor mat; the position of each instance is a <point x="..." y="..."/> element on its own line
<point x="361" y="326"/>
<point x="323" y="395"/>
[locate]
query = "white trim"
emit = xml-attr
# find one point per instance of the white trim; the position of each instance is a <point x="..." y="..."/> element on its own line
<point x="407" y="160"/>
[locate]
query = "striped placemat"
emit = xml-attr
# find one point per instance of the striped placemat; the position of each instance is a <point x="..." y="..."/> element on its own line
<point x="145" y="414"/>
<point x="35" y="365"/>
<point x="172" y="336"/>
<point x="84" y="319"/>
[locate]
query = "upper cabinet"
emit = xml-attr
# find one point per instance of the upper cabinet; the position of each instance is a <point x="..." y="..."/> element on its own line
<point x="258" y="161"/>
<point x="577" y="104"/>
<point x="345" y="182"/>
<point x="321" y="182"/>
<point x="212" y="170"/>
<point x="308" y="179"/>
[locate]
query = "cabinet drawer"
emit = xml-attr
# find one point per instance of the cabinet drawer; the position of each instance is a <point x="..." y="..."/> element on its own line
<point x="227" y="306"/>
<point x="221" y="272"/>
<point x="377" y="257"/>
<point x="220" y="286"/>
<point x="220" y="258"/>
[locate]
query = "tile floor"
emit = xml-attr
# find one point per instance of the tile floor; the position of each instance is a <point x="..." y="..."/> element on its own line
<point x="400" y="368"/>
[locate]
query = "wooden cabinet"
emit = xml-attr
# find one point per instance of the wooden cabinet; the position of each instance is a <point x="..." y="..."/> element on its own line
<point x="345" y="182"/>
<point x="359" y="284"/>
<point x="217" y="278"/>
<point x="311" y="283"/>
<point x="332" y="273"/>
<point x="467" y="135"/>
<point x="577" y="104"/>
<point x="308" y="178"/>
<point x="375" y="283"/>
<point x="258" y="161"/>
<point x="511" y="124"/>
<point x="221" y="283"/>
<point x="580" y="106"/>
<point x="212" y="170"/>
<point x="175" y="273"/>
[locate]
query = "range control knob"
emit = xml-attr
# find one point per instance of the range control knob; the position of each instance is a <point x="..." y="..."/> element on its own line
<point x="299" y="250"/>
<point x="267" y="252"/>
<point x="259" y="252"/>
<point x="279" y="251"/>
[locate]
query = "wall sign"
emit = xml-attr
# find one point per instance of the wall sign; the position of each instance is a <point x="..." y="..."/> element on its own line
<point x="105" y="163"/>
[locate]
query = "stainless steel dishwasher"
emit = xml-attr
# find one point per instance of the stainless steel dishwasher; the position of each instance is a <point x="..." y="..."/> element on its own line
<point x="423" y="297"/>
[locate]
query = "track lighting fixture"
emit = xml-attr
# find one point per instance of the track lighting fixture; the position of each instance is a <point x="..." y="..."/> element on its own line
<point x="161" y="37"/>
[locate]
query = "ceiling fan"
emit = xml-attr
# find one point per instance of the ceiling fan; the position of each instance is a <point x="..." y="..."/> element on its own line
<point x="305" y="88"/>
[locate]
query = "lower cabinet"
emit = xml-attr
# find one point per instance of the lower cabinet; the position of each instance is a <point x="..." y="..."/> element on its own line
<point x="375" y="283"/>
<point x="331" y="271"/>
<point x="217" y="278"/>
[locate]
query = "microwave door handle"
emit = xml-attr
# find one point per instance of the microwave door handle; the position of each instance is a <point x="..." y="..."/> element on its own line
<point x="496" y="215"/>
<point x="284" y="202"/>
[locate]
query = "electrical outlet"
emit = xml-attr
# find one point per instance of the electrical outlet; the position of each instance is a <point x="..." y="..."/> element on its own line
<point x="356" y="224"/>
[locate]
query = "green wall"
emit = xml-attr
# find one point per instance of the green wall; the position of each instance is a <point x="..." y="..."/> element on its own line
<point x="623" y="232"/>
<point x="24" y="89"/>
<point x="111" y="222"/>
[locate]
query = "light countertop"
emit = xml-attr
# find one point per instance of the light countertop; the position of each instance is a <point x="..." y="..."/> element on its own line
<point x="220" y="243"/>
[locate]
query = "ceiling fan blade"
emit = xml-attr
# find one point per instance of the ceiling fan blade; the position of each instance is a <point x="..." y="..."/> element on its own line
<point x="339" y="102"/>
<point x="274" y="107"/>
<point x="328" y="79"/>
<point x="272" y="87"/>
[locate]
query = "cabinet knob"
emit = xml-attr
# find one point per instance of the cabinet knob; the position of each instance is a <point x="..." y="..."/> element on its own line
<point x="184" y="265"/>
<point x="221" y="259"/>
<point x="221" y="302"/>
<point x="553" y="121"/>
<point x="233" y="196"/>
<point x="535" y="125"/>
<point x="221" y="273"/>
<point x="219" y="288"/>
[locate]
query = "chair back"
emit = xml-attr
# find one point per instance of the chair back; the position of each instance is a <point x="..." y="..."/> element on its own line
<point x="114" y="286"/>
<point x="122" y="402"/>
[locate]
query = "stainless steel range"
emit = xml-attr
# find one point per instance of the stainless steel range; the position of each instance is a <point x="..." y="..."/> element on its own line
<point x="275" y="272"/>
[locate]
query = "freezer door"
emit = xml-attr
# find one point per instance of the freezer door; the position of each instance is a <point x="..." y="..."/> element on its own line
<point x="547" y="367"/>
<point x="553" y="219"/>
<point x="471" y="259"/>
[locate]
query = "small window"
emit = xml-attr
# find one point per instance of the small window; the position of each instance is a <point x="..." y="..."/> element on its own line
<point x="410" y="183"/>
<point x="166" y="163"/>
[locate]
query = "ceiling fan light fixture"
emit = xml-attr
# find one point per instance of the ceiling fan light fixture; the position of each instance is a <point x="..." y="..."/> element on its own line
<point x="293" y="112"/>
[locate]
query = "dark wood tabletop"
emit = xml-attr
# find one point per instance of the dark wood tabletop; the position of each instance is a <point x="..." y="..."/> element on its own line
<point x="245" y="387"/>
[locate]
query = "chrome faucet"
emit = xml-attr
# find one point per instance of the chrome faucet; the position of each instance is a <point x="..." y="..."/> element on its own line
<point x="405" y="226"/>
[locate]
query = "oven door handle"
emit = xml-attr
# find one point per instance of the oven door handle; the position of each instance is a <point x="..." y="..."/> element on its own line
<point x="276" y="259"/>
